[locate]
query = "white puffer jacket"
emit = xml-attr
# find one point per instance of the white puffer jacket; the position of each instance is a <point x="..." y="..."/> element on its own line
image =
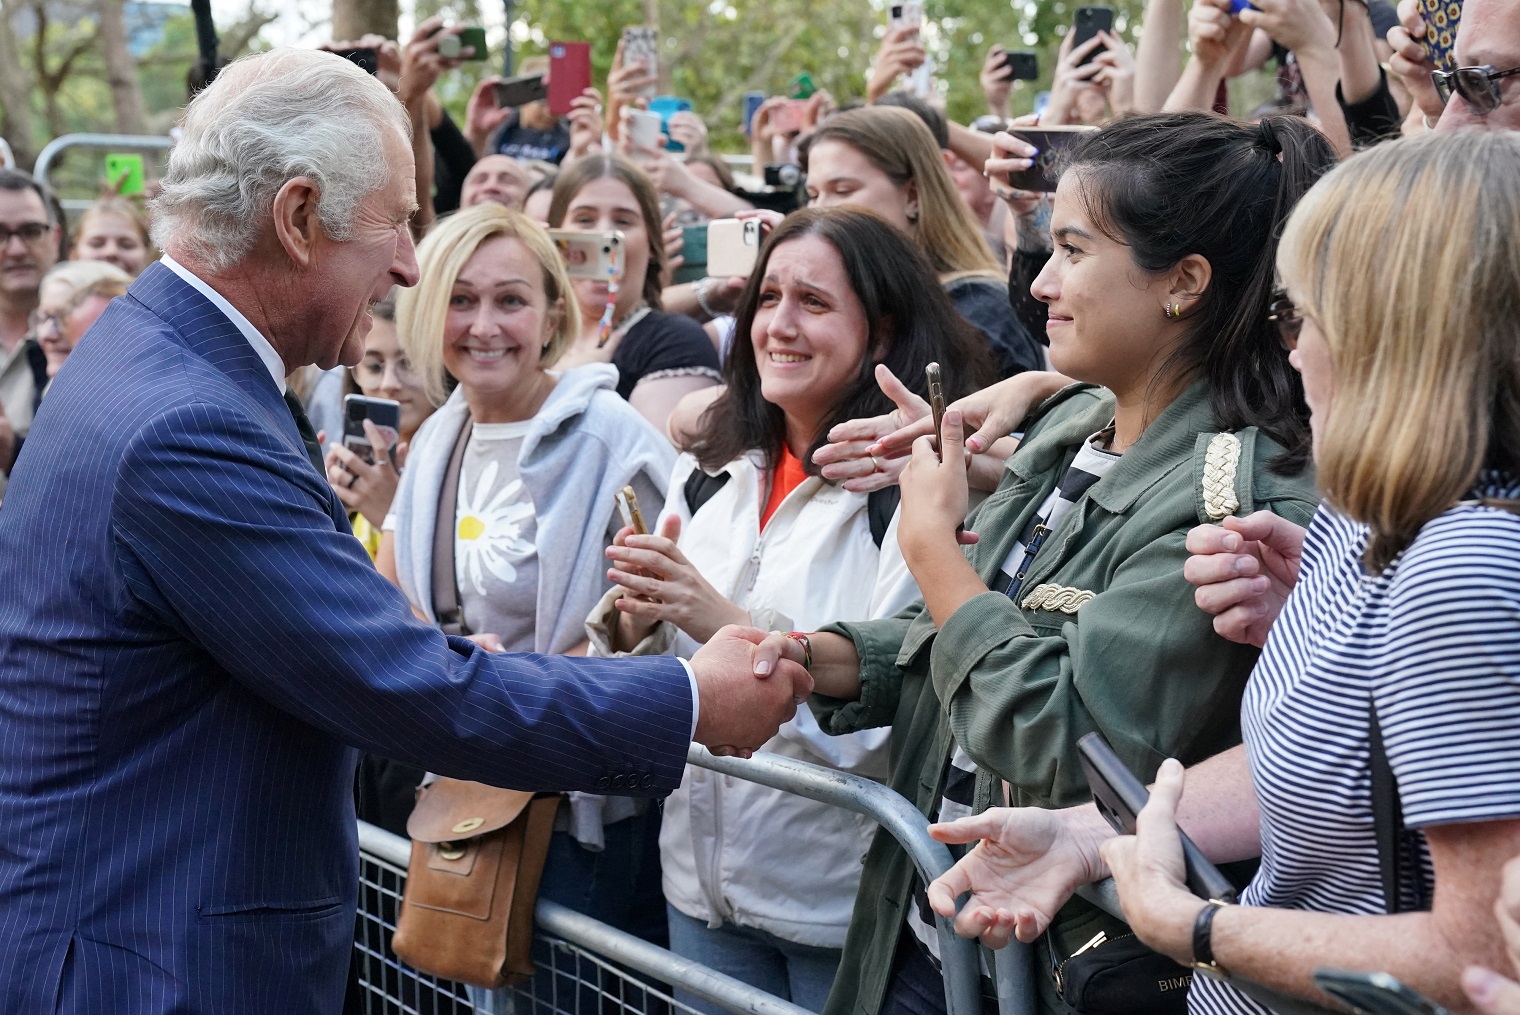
<point x="733" y="851"/>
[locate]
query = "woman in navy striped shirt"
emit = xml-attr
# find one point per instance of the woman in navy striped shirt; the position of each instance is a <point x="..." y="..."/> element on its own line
<point x="1401" y="601"/>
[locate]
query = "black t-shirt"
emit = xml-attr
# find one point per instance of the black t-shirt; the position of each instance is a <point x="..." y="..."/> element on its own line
<point x="984" y="303"/>
<point x="527" y="143"/>
<point x="664" y="345"/>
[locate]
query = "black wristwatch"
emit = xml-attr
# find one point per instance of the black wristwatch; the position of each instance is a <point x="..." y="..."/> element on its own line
<point x="1203" y="938"/>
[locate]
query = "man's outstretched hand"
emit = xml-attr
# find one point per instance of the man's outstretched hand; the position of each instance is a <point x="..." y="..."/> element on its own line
<point x="740" y="709"/>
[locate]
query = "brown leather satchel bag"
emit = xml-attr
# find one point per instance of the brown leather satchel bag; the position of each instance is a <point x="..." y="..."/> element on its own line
<point x="477" y="856"/>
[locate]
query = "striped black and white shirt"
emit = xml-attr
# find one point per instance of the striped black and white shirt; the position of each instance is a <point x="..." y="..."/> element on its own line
<point x="1091" y="464"/>
<point x="1433" y="643"/>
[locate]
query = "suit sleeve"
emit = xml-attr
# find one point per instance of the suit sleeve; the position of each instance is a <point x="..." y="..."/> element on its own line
<point x="224" y="536"/>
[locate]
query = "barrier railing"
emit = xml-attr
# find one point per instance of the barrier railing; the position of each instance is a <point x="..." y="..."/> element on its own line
<point x="108" y="142"/>
<point x="597" y="957"/>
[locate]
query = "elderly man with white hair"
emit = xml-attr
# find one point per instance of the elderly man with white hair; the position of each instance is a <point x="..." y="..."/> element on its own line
<point x="192" y="644"/>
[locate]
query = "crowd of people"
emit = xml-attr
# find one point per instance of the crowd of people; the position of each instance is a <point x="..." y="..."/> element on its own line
<point x="1229" y="473"/>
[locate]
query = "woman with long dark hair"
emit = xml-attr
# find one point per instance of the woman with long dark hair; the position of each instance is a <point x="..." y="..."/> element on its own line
<point x="751" y="534"/>
<point x="1070" y="614"/>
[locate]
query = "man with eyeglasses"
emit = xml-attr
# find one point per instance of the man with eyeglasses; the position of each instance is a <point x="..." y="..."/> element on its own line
<point x="1482" y="92"/>
<point x="28" y="248"/>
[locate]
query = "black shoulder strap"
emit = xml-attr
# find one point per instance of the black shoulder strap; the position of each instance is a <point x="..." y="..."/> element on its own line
<point x="1398" y="852"/>
<point x="881" y="505"/>
<point x="701" y="488"/>
<point x="445" y="584"/>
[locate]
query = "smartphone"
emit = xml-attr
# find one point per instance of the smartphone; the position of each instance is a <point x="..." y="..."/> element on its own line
<point x="937" y="407"/>
<point x="590" y="255"/>
<point x="1374" y="993"/>
<point x="641" y="42"/>
<point x="569" y="74"/>
<point x="752" y="103"/>
<point x="383" y="412"/>
<point x="1052" y="143"/>
<point x="911" y="14"/>
<point x="1441" y="20"/>
<point x="693" y="255"/>
<point x="628" y="505"/>
<point x="1024" y="64"/>
<point x="1088" y="22"/>
<point x="666" y="106"/>
<point x="644" y="129"/>
<point x="733" y="247"/>
<point x="520" y="91"/>
<point x="124" y="173"/>
<point x="473" y="37"/>
<point x="366" y="57"/>
<point x="1120" y="797"/>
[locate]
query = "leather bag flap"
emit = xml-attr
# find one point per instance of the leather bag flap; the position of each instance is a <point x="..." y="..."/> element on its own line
<point x="449" y="810"/>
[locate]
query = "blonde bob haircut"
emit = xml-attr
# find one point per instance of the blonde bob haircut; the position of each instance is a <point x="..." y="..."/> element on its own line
<point x="422" y="312"/>
<point x="898" y="144"/>
<point x="1407" y="258"/>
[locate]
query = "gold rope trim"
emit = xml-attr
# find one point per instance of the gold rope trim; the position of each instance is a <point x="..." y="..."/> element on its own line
<point x="1057" y="597"/>
<point x="1220" y="464"/>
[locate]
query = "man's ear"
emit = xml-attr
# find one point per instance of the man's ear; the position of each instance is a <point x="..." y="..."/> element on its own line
<point x="296" y="224"/>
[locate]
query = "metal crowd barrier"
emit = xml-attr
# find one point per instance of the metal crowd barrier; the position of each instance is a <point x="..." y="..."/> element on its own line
<point x="106" y="142"/>
<point x="631" y="975"/>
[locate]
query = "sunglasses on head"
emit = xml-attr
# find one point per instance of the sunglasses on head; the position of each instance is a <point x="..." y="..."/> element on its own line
<point x="1478" y="86"/>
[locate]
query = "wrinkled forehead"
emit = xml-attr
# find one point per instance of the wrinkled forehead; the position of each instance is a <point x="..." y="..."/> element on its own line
<point x="1489" y="34"/>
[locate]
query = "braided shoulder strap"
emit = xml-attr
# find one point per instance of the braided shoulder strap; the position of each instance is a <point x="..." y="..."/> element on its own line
<point x="1220" y="464"/>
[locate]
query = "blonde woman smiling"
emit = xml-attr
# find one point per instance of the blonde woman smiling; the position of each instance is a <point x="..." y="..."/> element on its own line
<point x="534" y="458"/>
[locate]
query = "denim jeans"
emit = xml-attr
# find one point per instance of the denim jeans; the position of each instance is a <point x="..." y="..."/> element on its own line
<point x="619" y="886"/>
<point x="798" y="973"/>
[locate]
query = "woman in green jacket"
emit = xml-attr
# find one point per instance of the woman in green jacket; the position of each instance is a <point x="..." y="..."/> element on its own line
<point x="1069" y="613"/>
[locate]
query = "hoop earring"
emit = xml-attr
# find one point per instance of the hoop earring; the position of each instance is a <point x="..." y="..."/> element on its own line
<point x="1171" y="314"/>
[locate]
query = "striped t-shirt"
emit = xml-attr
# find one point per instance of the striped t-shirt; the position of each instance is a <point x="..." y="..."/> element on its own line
<point x="1434" y="644"/>
<point x="1091" y="464"/>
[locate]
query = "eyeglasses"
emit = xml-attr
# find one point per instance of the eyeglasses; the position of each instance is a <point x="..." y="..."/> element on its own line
<point x="1284" y="315"/>
<point x="36" y="319"/>
<point x="1478" y="86"/>
<point x="370" y="373"/>
<point x="30" y="233"/>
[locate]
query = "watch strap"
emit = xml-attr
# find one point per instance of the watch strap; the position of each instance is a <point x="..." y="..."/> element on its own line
<point x="1203" y="936"/>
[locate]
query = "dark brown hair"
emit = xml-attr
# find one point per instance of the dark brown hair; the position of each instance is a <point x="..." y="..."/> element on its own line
<point x="1175" y="184"/>
<point x="911" y="324"/>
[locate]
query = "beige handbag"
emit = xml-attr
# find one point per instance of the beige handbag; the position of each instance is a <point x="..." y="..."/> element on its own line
<point x="477" y="856"/>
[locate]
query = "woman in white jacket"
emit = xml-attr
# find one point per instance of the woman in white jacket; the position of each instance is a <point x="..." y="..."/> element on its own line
<point x="761" y="883"/>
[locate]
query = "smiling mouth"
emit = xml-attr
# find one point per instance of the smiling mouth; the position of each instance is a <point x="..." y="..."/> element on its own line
<point x="788" y="357"/>
<point x="486" y="355"/>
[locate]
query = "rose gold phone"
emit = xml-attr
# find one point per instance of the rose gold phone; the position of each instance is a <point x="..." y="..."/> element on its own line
<point x="628" y="504"/>
<point x="937" y="406"/>
<point x="733" y="247"/>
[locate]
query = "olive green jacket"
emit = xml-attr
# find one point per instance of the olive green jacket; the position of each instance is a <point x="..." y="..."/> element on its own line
<point x="1105" y="637"/>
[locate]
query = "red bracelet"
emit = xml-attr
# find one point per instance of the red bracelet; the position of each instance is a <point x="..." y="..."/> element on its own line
<point x="807" y="648"/>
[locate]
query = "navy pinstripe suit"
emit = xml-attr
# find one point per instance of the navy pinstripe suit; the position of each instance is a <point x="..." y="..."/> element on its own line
<point x="191" y="646"/>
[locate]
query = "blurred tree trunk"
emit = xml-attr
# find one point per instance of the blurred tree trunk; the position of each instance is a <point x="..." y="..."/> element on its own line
<point x="15" y="93"/>
<point x="121" y="68"/>
<point x="354" y="18"/>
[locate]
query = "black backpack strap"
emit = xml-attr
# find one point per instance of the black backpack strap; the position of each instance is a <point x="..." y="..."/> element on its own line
<point x="1397" y="847"/>
<point x="881" y="505"/>
<point x="701" y="488"/>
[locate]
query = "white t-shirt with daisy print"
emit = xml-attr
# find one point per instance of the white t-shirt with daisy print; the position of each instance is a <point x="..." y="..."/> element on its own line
<point x="495" y="528"/>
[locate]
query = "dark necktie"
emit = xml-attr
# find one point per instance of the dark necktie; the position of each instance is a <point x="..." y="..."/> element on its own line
<point x="308" y="435"/>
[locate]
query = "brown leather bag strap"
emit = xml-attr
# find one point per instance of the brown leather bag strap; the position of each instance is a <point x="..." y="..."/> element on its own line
<point x="445" y="587"/>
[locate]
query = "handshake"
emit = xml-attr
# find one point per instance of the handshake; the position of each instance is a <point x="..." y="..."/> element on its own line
<point x="749" y="682"/>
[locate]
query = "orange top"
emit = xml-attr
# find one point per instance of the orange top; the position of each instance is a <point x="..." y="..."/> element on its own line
<point x="788" y="476"/>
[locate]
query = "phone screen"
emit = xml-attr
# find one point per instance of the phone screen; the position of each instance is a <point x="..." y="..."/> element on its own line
<point x="385" y="413"/>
